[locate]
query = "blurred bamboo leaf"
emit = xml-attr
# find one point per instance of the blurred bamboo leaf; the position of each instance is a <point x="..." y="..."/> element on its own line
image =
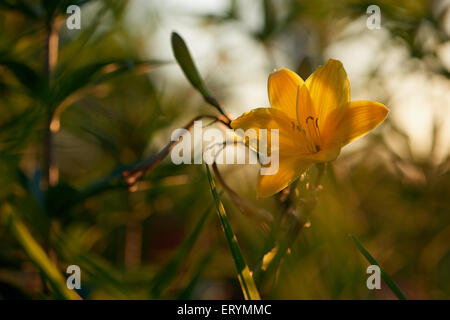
<point x="37" y="255"/>
<point x="165" y="276"/>
<point x="69" y="83"/>
<point x="96" y="269"/>
<point x="16" y="131"/>
<point x="391" y="284"/>
<point x="245" y="277"/>
<point x="201" y="266"/>
<point x="25" y="7"/>
<point x="28" y="77"/>
<point x="184" y="59"/>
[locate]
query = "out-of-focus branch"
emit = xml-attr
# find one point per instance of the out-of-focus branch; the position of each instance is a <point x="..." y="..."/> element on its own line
<point x="132" y="176"/>
<point x="50" y="170"/>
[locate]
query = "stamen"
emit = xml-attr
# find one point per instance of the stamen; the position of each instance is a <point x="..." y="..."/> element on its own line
<point x="312" y="138"/>
<point x="307" y="139"/>
<point x="309" y="128"/>
<point x="314" y="133"/>
<point x="317" y="129"/>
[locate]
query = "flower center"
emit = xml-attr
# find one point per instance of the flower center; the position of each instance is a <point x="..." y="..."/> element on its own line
<point x="310" y="133"/>
<point x="313" y="132"/>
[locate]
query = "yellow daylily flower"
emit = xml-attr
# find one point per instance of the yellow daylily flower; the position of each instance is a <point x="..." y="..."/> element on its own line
<point x="315" y="119"/>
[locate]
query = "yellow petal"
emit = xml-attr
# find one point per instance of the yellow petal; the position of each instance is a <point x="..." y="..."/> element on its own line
<point x="290" y="141"/>
<point x="329" y="88"/>
<point x="289" y="169"/>
<point x="282" y="88"/>
<point x="305" y="105"/>
<point x="359" y="118"/>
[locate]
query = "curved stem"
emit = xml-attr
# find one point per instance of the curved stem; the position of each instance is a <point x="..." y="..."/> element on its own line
<point x="134" y="175"/>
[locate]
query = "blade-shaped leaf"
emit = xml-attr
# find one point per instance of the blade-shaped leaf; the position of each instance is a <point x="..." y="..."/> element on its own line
<point x="67" y="83"/>
<point x="165" y="276"/>
<point x="26" y="8"/>
<point x="37" y="255"/>
<point x="186" y="293"/>
<point x="184" y="59"/>
<point x="245" y="277"/>
<point x="391" y="284"/>
<point x="27" y="76"/>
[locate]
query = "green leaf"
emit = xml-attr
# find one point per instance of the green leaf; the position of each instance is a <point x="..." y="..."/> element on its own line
<point x="15" y="132"/>
<point x="70" y="82"/>
<point x="165" y="276"/>
<point x="244" y="276"/>
<point x="186" y="293"/>
<point x="97" y="271"/>
<point x="391" y="284"/>
<point x="27" y="9"/>
<point x="37" y="255"/>
<point x="184" y="59"/>
<point x="27" y="76"/>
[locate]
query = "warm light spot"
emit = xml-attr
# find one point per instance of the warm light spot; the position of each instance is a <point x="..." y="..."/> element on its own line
<point x="55" y="125"/>
<point x="53" y="175"/>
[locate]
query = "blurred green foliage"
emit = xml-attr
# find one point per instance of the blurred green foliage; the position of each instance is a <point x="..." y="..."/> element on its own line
<point x="80" y="107"/>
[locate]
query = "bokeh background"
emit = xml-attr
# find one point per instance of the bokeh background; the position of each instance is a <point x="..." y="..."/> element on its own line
<point x="78" y="107"/>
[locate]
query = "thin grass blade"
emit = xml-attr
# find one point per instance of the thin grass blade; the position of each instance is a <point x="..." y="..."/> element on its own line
<point x="244" y="276"/>
<point x="391" y="284"/>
